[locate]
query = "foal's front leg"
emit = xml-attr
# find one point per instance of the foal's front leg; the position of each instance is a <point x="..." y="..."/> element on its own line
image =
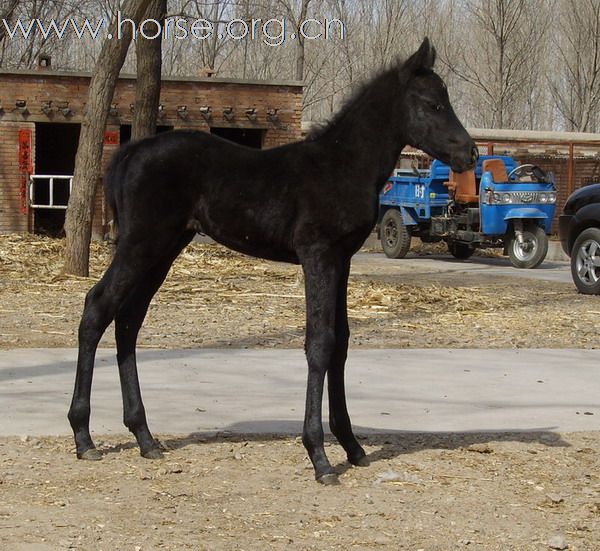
<point x="322" y="277"/>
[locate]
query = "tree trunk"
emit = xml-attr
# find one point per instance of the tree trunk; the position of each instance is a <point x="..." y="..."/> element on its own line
<point x="300" y="41"/>
<point x="149" y="63"/>
<point x="300" y="53"/>
<point x="88" y="161"/>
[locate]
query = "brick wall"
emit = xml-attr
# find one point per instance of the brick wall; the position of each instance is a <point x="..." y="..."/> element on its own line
<point x="11" y="216"/>
<point x="46" y="93"/>
<point x="40" y="87"/>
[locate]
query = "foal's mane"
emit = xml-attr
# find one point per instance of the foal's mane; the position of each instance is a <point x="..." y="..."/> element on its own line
<point x="356" y="99"/>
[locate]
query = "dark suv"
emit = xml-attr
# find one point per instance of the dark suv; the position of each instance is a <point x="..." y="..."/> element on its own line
<point x="579" y="229"/>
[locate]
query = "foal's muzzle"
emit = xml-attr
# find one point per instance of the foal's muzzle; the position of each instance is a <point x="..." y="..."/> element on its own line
<point x="467" y="160"/>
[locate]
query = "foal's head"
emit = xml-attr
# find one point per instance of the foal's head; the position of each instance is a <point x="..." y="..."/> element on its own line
<point x="430" y="123"/>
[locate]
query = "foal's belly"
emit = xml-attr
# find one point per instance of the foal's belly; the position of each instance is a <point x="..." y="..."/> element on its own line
<point x="259" y="250"/>
<point x="248" y="240"/>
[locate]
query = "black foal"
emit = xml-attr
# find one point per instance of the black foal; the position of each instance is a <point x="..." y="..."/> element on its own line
<point x="313" y="202"/>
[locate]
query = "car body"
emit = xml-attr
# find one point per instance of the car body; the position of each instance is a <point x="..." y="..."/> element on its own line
<point x="579" y="231"/>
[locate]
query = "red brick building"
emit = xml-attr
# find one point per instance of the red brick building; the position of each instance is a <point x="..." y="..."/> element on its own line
<point x="41" y="114"/>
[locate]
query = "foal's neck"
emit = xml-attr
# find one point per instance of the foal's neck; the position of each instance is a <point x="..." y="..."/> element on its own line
<point x="365" y="136"/>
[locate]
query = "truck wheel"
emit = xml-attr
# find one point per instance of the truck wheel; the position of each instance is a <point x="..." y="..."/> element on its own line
<point x="461" y="251"/>
<point x="585" y="262"/>
<point x="395" y="236"/>
<point x="530" y="253"/>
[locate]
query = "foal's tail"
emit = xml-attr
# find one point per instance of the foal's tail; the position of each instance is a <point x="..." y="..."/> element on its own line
<point x="113" y="184"/>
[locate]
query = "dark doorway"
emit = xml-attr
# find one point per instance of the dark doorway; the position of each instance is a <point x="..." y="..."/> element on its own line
<point x="251" y="137"/>
<point x="125" y="132"/>
<point x="55" y="150"/>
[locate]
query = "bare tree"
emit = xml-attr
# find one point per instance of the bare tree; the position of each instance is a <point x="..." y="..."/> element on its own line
<point x="207" y="53"/>
<point x="575" y="81"/>
<point x="508" y="63"/>
<point x="497" y="53"/>
<point x="149" y="62"/>
<point x="18" y="51"/>
<point x="6" y="14"/>
<point x="78" y="222"/>
<point x="297" y="19"/>
<point x="391" y="23"/>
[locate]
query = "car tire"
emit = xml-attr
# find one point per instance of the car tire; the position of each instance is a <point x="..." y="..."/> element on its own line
<point x="535" y="251"/>
<point x="395" y="236"/>
<point x="460" y="251"/>
<point x="585" y="262"/>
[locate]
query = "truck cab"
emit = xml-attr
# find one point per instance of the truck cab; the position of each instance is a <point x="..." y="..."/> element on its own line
<point x="497" y="204"/>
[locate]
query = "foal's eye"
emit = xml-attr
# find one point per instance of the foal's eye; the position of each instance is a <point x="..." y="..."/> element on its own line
<point x="435" y="106"/>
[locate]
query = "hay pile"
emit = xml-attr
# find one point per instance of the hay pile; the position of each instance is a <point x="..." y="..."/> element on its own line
<point x="214" y="297"/>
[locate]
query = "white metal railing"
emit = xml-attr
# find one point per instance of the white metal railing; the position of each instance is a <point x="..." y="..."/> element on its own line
<point x="50" y="178"/>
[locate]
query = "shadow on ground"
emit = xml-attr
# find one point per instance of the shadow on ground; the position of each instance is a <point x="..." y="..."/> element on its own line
<point x="389" y="444"/>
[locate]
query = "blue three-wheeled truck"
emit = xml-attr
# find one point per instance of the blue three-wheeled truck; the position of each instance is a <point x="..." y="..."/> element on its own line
<point x="498" y="204"/>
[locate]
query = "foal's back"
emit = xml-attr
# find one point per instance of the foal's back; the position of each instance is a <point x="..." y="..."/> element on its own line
<point x="242" y="197"/>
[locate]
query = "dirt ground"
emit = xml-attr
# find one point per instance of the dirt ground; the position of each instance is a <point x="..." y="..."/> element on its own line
<point x="505" y="491"/>
<point x="217" y="298"/>
<point x="422" y="491"/>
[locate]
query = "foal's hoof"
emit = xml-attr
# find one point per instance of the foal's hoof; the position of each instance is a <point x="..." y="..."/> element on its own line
<point x="329" y="479"/>
<point x="153" y="453"/>
<point x="90" y="455"/>
<point x="361" y="461"/>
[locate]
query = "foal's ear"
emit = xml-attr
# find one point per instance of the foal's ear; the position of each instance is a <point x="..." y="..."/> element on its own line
<point x="423" y="58"/>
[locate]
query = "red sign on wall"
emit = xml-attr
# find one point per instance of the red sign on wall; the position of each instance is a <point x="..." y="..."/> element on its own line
<point x="111" y="138"/>
<point x="25" y="165"/>
<point x="25" y="160"/>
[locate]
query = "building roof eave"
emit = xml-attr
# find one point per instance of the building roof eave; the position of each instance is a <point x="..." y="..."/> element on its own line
<point x="532" y="136"/>
<point x="169" y="78"/>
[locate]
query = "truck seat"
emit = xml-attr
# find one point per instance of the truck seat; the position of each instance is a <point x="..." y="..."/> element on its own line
<point x="497" y="168"/>
<point x="465" y="186"/>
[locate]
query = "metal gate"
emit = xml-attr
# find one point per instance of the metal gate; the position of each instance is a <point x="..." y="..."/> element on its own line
<point x="49" y="191"/>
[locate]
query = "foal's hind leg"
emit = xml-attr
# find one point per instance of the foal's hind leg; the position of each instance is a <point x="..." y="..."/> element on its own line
<point x="128" y="321"/>
<point x="339" y="420"/>
<point x="101" y="303"/>
<point x="322" y="276"/>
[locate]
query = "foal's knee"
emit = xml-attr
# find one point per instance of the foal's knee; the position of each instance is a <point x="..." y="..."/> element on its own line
<point x="320" y="348"/>
<point x="123" y="330"/>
